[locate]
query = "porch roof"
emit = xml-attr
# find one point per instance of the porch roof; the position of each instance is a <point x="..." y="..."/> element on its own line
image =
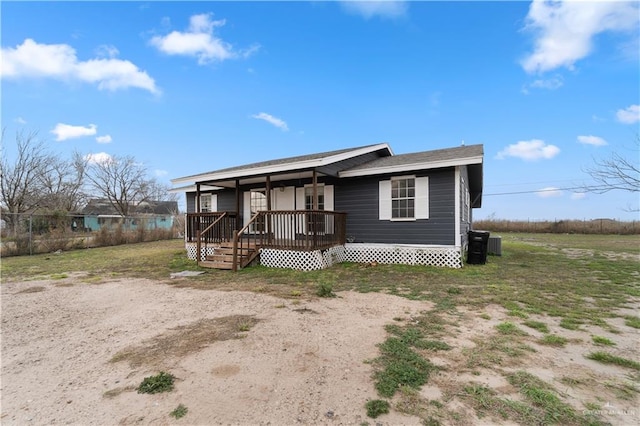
<point x="289" y="167"/>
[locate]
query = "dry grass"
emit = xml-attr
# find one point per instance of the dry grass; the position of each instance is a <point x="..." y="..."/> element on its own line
<point x="35" y="289"/>
<point x="184" y="340"/>
<point x="596" y="226"/>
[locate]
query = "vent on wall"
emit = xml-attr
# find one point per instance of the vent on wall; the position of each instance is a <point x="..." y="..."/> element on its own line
<point x="494" y="246"/>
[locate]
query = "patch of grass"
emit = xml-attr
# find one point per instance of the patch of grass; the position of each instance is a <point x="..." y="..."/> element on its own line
<point x="625" y="390"/>
<point x="632" y="321"/>
<point x="376" y="407"/>
<point x="34" y="289"/>
<point x="537" y="325"/>
<point x="59" y="276"/>
<point x="552" y="340"/>
<point x="184" y="340"/>
<point x="433" y="345"/>
<point x="607" y="358"/>
<point x="603" y="341"/>
<point x="112" y="393"/>
<point x="570" y="323"/>
<point x="179" y="412"/>
<point x="399" y="365"/>
<point x="325" y="290"/>
<point x="162" y="382"/>
<point x="509" y="328"/>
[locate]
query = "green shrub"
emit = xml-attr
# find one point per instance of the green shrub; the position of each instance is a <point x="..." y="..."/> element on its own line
<point x="325" y="290"/>
<point x="375" y="407"/>
<point x="162" y="382"/>
<point x="179" y="412"/>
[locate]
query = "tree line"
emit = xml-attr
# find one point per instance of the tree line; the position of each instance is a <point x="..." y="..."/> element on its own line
<point x="39" y="181"/>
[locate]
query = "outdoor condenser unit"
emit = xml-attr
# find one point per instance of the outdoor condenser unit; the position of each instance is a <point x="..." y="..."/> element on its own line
<point x="494" y="246"/>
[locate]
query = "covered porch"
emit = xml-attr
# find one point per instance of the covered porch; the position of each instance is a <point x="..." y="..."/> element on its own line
<point x="220" y="244"/>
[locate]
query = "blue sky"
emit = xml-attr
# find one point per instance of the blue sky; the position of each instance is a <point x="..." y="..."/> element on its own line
<point x="191" y="87"/>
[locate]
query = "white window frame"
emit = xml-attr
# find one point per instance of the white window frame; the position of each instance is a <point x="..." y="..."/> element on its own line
<point x="421" y="197"/>
<point x="210" y="205"/>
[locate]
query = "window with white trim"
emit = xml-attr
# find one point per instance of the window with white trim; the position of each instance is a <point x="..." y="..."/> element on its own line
<point x="308" y="197"/>
<point x="403" y="193"/>
<point x="404" y="198"/>
<point x="205" y="203"/>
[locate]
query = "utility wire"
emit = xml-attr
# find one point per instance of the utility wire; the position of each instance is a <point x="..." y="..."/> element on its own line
<point x="581" y="188"/>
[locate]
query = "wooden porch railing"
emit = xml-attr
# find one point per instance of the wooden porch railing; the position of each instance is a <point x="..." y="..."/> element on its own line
<point x="290" y="230"/>
<point x="302" y="230"/>
<point x="214" y="227"/>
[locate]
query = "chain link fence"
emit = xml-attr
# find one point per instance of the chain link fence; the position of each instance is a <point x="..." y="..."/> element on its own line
<point x="28" y="234"/>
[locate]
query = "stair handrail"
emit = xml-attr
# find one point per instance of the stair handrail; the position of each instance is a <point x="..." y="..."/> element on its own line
<point x="199" y="235"/>
<point x="236" y="238"/>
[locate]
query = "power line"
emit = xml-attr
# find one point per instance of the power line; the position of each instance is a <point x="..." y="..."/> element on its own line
<point x="581" y="188"/>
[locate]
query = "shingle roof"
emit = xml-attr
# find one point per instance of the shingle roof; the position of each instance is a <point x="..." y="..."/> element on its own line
<point x="435" y="156"/>
<point x="282" y="161"/>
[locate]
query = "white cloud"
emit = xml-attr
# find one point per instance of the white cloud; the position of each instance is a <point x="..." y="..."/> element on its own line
<point x="532" y="150"/>
<point x="20" y="120"/>
<point x="67" y="131"/>
<point x="549" y="192"/>
<point x="104" y="139"/>
<point x="161" y="173"/>
<point x="629" y="115"/>
<point x="107" y="51"/>
<point x="281" y="124"/>
<point x="564" y="30"/>
<point x="59" y="61"/>
<point x="98" y="158"/>
<point x="199" y="41"/>
<point x="592" y="140"/>
<point x="382" y="8"/>
<point x="578" y="195"/>
<point x="553" y="83"/>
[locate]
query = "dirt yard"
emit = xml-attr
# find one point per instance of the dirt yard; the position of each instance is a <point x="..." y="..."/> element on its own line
<point x="74" y="353"/>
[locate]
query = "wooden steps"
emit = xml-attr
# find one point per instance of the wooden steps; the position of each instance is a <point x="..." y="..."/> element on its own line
<point x="222" y="257"/>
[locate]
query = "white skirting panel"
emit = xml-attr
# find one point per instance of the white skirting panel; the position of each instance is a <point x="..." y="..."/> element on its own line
<point x="444" y="256"/>
<point x="302" y="260"/>
<point x="205" y="251"/>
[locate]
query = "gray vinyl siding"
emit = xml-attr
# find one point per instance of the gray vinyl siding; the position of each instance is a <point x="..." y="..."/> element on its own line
<point x="358" y="197"/>
<point x="226" y="200"/>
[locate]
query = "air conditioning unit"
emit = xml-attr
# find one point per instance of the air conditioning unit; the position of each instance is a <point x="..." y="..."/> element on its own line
<point x="494" y="246"/>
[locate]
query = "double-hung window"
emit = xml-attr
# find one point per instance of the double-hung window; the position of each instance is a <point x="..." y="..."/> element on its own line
<point x="404" y="198"/>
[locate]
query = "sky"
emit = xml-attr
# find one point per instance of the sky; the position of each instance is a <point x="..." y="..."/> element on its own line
<point x="189" y="87"/>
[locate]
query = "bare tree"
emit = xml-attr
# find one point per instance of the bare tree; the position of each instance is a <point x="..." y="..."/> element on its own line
<point x="617" y="172"/>
<point x="19" y="189"/>
<point x="62" y="188"/>
<point x="121" y="180"/>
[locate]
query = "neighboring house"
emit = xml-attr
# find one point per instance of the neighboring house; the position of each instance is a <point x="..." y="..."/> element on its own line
<point x="361" y="204"/>
<point x="99" y="213"/>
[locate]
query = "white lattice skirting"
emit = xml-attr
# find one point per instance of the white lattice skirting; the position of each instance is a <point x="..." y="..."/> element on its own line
<point x="302" y="260"/>
<point x="205" y="251"/>
<point x="446" y="256"/>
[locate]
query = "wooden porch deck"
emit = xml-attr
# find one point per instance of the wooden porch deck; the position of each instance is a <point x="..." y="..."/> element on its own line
<point x="300" y="230"/>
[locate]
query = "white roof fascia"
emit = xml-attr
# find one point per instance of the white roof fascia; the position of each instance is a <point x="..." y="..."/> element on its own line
<point x="192" y="188"/>
<point x="318" y="162"/>
<point x="400" y="168"/>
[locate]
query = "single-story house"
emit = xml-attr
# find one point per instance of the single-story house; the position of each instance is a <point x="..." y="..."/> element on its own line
<point x="362" y="204"/>
<point x="100" y="213"/>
